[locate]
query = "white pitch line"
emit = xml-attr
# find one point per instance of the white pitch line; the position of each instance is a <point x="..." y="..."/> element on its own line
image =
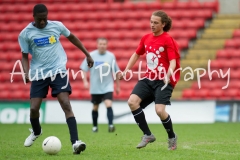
<point x="209" y="151"/>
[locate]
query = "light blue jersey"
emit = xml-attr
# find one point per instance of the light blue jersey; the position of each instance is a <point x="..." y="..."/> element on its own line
<point x="48" y="55"/>
<point x="105" y="65"/>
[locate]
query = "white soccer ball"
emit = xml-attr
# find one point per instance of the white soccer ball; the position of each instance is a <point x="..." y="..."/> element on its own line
<point x="51" y="145"/>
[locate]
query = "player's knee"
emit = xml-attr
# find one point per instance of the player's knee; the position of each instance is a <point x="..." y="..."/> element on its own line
<point x="34" y="110"/>
<point x="133" y="103"/>
<point x="160" y="111"/>
<point x="66" y="106"/>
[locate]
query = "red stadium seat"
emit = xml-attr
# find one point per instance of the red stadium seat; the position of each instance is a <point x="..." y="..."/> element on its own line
<point x="230" y="93"/>
<point x="234" y="83"/>
<point x="5" y="95"/>
<point x="17" y="95"/>
<point x="211" y="5"/>
<point x="194" y="5"/>
<point x="235" y="53"/>
<point x="232" y="43"/>
<point x="115" y="7"/>
<point x="235" y="74"/>
<point x="216" y="93"/>
<point x="202" y="93"/>
<point x="129" y="6"/>
<point x="206" y="13"/>
<point x="168" y="5"/>
<point x="154" y="6"/>
<point x="236" y="33"/>
<point x="188" y="93"/>
<point x="4" y="76"/>
<point x="143" y="6"/>
<point x="222" y="54"/>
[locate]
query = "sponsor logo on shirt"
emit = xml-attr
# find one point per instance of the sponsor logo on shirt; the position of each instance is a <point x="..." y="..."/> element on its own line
<point x="45" y="40"/>
<point x="97" y="63"/>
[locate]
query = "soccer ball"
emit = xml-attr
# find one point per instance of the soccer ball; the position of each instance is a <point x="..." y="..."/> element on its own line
<point x="51" y="145"/>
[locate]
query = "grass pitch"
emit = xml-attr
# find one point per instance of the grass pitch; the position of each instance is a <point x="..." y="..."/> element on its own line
<point x="219" y="141"/>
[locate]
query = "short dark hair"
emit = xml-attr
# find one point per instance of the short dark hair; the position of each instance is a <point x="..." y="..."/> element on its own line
<point x="102" y="38"/>
<point x="39" y="8"/>
<point x="165" y="19"/>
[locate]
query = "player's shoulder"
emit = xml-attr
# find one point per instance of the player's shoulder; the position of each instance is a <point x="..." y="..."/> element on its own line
<point x="166" y="35"/>
<point x="26" y="29"/>
<point x="110" y="53"/>
<point x="94" y="52"/>
<point x="50" y="22"/>
<point x="147" y="35"/>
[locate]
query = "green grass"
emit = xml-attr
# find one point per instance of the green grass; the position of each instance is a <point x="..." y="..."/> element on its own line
<point x="220" y="141"/>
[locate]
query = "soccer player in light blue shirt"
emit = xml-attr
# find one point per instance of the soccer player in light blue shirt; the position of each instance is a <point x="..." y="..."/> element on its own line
<point x="48" y="69"/>
<point x="102" y="76"/>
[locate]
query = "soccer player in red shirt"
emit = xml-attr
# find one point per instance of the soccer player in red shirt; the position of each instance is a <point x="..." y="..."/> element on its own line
<point x="163" y="61"/>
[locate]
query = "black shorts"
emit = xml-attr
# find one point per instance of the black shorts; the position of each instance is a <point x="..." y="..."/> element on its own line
<point x="150" y="91"/>
<point x="98" y="98"/>
<point x="39" y="89"/>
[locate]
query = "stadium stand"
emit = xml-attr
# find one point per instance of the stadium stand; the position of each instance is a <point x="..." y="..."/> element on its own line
<point x="220" y="44"/>
<point x="123" y="23"/>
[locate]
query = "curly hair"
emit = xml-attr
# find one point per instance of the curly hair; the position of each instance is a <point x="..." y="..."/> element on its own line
<point x="165" y="19"/>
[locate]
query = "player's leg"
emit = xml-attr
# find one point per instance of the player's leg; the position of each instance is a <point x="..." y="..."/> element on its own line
<point x="139" y="99"/>
<point x="61" y="89"/>
<point x="38" y="91"/>
<point x="96" y="100"/>
<point x="162" y="98"/>
<point x="108" y="97"/>
<point x="95" y="117"/>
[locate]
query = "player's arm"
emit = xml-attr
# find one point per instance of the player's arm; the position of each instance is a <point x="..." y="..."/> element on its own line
<point x="85" y="81"/>
<point x="74" y="40"/>
<point x="171" y="68"/>
<point x="130" y="64"/>
<point x="25" y="64"/>
<point x="117" y="85"/>
<point x="173" y="54"/>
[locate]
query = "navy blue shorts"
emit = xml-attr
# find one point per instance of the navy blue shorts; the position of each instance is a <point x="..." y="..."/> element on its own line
<point x="150" y="91"/>
<point x="98" y="98"/>
<point x="39" y="89"/>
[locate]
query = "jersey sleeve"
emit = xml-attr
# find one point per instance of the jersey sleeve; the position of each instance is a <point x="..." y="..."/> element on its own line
<point x="63" y="29"/>
<point x="23" y="43"/>
<point x="84" y="65"/>
<point x="172" y="49"/>
<point x="141" y="48"/>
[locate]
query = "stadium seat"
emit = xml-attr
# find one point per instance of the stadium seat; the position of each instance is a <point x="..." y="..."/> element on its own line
<point x="202" y="93"/>
<point x="223" y="54"/>
<point x="230" y="93"/>
<point x="168" y="6"/>
<point x="5" y="95"/>
<point x="236" y="33"/>
<point x="232" y="43"/>
<point x="188" y="94"/>
<point x="154" y="6"/>
<point x="4" y="76"/>
<point x="211" y="5"/>
<point x="235" y="74"/>
<point x="216" y="93"/>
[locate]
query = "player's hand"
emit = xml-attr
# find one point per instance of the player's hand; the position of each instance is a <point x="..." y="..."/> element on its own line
<point x="90" y="61"/>
<point x="27" y="78"/>
<point x="120" y="75"/>
<point x="166" y="81"/>
<point x="86" y="85"/>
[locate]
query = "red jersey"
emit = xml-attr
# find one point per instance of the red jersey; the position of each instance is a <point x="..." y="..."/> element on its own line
<point x="159" y="51"/>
